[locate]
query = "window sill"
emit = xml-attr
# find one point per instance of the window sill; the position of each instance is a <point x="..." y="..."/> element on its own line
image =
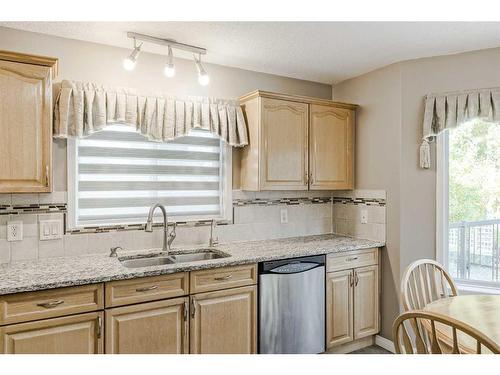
<point x="477" y="289"/>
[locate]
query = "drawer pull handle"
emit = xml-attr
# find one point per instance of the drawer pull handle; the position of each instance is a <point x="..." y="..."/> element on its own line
<point x="352" y="258"/>
<point x="51" y="304"/>
<point x="223" y="278"/>
<point x="146" y="289"/>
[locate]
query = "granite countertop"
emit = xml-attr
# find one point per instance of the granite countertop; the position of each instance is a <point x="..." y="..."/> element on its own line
<point x="70" y="271"/>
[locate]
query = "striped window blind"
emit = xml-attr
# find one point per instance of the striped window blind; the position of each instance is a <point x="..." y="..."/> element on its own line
<point x="120" y="174"/>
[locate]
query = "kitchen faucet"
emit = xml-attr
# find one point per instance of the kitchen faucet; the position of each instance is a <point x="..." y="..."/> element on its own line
<point x="167" y="238"/>
<point x="213" y="241"/>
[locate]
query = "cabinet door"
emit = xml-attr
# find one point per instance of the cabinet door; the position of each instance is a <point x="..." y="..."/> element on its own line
<point x="366" y="300"/>
<point x="26" y="127"/>
<point x="77" y="334"/>
<point x="284" y="156"/>
<point x="224" y="322"/>
<point x="339" y="308"/>
<point x="331" y="148"/>
<point x="148" y="328"/>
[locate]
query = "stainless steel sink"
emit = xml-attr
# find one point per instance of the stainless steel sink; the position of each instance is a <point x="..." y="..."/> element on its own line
<point x="146" y="261"/>
<point x="174" y="257"/>
<point x="197" y="255"/>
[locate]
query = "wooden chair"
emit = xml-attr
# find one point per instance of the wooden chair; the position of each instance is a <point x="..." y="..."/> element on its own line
<point x="424" y="281"/>
<point x="425" y="338"/>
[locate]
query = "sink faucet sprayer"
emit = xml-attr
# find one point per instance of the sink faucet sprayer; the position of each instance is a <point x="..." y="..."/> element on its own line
<point x="167" y="238"/>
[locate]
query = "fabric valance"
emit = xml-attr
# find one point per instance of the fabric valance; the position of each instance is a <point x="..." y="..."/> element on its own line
<point x="84" y="108"/>
<point x="446" y="111"/>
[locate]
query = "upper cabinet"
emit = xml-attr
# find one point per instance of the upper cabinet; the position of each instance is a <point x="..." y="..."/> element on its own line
<point x="26" y="122"/>
<point x="331" y="147"/>
<point x="297" y="143"/>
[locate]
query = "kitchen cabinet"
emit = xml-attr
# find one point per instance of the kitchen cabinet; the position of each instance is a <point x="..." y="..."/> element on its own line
<point x="366" y="312"/>
<point x="352" y="297"/>
<point x="26" y="122"/>
<point x="224" y="321"/>
<point x="149" y="328"/>
<point x="331" y="147"/>
<point x="339" y="305"/>
<point x="297" y="143"/>
<point x="77" y="334"/>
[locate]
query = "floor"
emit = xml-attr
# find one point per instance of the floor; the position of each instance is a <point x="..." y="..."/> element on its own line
<point x="374" y="349"/>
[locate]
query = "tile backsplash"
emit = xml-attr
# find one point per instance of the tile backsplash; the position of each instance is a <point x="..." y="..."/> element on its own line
<point x="256" y="216"/>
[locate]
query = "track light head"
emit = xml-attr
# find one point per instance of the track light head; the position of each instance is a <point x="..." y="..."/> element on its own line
<point x="169" y="69"/>
<point x="130" y="61"/>
<point x="203" y="77"/>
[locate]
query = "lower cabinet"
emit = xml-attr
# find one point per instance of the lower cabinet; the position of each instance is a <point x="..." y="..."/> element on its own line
<point x="352" y="300"/>
<point x="77" y="334"/>
<point x="366" y="310"/>
<point x="339" y="296"/>
<point x="224" y="321"/>
<point x="148" y="328"/>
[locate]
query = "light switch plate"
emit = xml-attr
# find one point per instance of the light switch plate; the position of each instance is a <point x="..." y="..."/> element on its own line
<point x="50" y="229"/>
<point x="284" y="216"/>
<point x="14" y="231"/>
<point x="364" y="216"/>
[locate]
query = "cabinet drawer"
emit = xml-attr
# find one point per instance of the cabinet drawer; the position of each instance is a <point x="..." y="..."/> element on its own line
<point x="352" y="259"/>
<point x="126" y="292"/>
<point x="223" y="278"/>
<point x="23" y="307"/>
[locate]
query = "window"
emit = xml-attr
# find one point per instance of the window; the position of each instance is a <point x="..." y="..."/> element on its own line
<point x="469" y="202"/>
<point x="115" y="175"/>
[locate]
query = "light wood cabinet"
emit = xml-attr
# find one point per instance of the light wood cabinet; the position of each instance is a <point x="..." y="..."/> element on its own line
<point x="366" y="311"/>
<point x="352" y="299"/>
<point x="26" y="123"/>
<point x="297" y="143"/>
<point x="331" y="148"/>
<point x="149" y="328"/>
<point x="284" y="138"/>
<point x="339" y="296"/>
<point x="224" y="321"/>
<point x="77" y="334"/>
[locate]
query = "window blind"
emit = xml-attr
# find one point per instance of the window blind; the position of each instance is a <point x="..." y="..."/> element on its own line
<point x="120" y="174"/>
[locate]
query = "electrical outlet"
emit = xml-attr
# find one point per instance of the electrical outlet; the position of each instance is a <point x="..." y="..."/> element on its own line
<point x="364" y="216"/>
<point x="284" y="216"/>
<point x="14" y="231"/>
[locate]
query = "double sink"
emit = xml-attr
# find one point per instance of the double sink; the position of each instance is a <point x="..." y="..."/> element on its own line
<point x="159" y="259"/>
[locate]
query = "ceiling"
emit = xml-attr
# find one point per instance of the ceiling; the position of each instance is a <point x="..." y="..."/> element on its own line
<point x="327" y="52"/>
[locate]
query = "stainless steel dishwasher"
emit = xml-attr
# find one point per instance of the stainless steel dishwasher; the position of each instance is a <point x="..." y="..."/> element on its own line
<point x="292" y="306"/>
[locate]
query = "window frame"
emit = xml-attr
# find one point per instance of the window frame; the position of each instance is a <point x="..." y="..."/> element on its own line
<point x="442" y="217"/>
<point x="226" y="201"/>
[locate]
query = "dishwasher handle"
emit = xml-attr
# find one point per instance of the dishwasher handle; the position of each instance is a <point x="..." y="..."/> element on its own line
<point x="295" y="267"/>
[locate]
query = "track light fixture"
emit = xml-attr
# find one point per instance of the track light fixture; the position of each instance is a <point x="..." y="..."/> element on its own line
<point x="130" y="61"/>
<point x="169" y="69"/>
<point x="203" y="77"/>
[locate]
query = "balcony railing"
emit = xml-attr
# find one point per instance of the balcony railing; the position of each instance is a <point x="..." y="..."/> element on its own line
<point x="473" y="250"/>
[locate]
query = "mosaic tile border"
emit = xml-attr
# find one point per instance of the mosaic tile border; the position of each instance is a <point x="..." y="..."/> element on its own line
<point x="357" y="201"/>
<point x="33" y="208"/>
<point x="288" y="201"/>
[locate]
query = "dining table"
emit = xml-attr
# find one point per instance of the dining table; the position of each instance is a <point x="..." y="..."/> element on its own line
<point x="479" y="311"/>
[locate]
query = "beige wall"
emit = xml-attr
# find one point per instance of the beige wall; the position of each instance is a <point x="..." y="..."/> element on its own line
<point x="99" y="63"/>
<point x="389" y="131"/>
<point x="378" y="162"/>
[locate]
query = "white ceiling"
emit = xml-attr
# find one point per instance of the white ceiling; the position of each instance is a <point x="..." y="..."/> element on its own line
<point x="327" y="52"/>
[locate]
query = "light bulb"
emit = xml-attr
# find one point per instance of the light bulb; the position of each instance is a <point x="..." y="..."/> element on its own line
<point x="128" y="64"/>
<point x="169" y="69"/>
<point x="131" y="60"/>
<point x="203" y="79"/>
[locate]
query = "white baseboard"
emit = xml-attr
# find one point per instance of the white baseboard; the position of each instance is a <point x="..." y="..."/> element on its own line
<point x="384" y="343"/>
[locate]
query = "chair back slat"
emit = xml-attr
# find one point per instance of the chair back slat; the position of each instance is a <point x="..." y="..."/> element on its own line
<point x="423" y="282"/>
<point x="426" y="338"/>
